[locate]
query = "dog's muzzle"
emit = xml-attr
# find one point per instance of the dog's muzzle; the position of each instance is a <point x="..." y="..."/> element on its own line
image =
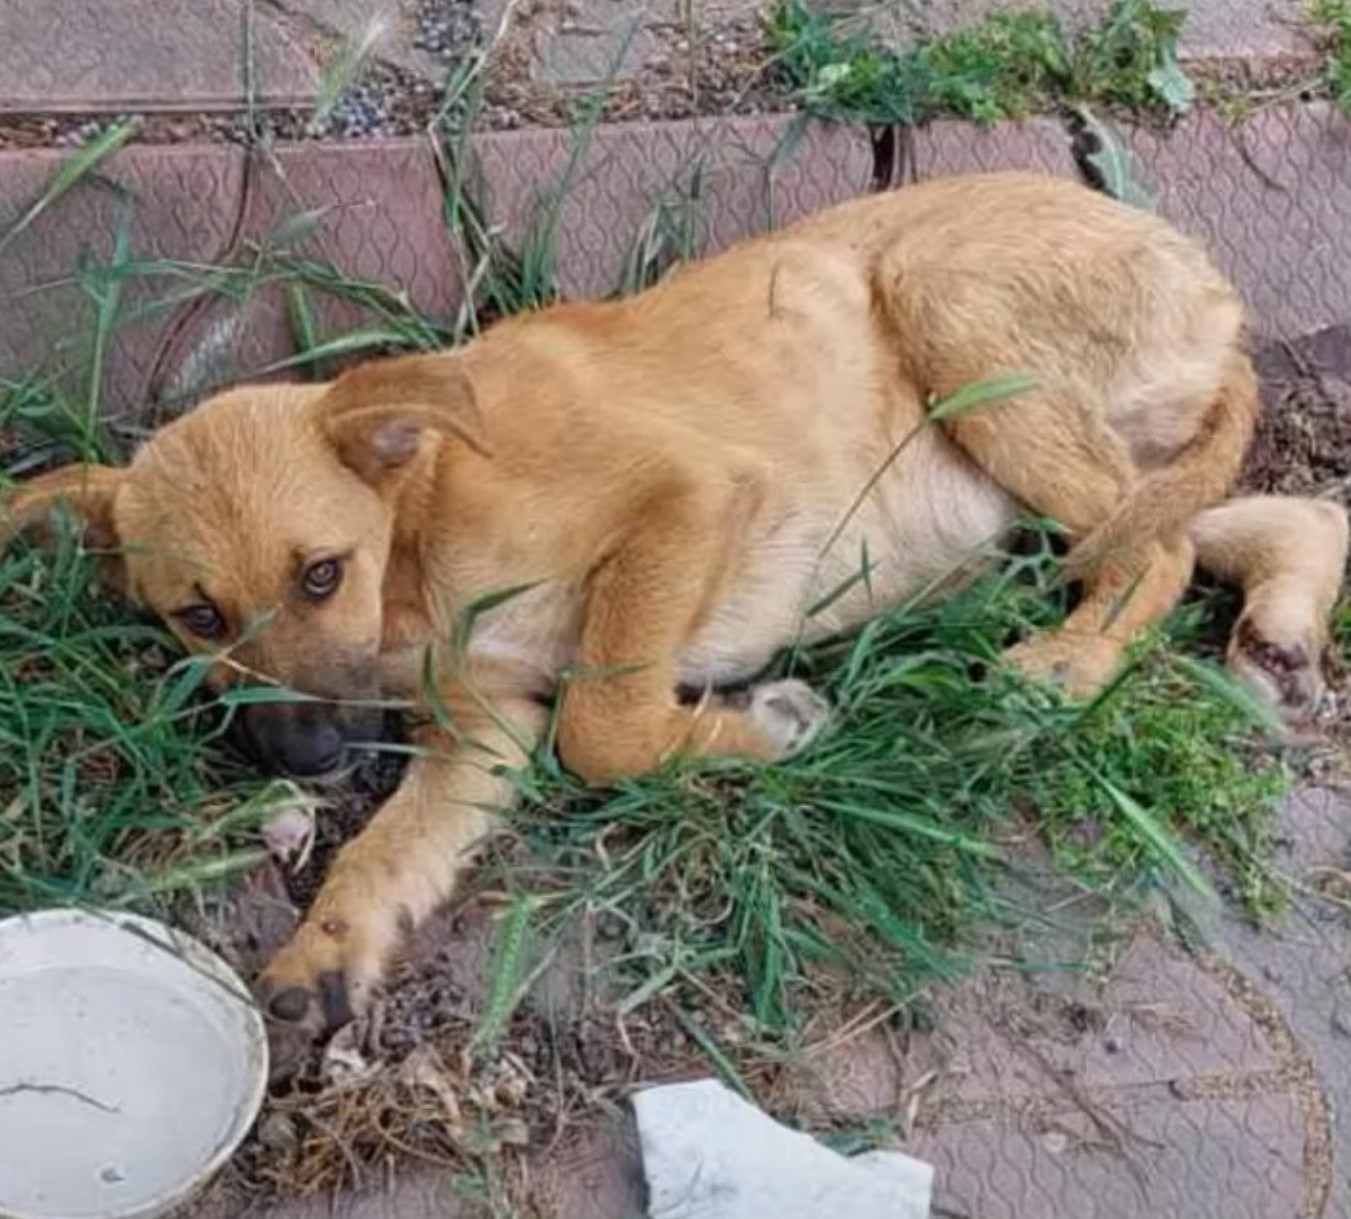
<point x="307" y="740"/>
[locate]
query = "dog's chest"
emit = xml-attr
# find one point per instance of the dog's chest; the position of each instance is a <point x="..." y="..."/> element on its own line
<point x="534" y="631"/>
<point x="831" y="561"/>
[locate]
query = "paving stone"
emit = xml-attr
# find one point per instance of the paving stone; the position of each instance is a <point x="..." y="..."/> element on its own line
<point x="1233" y="1158"/>
<point x="585" y="42"/>
<point x="354" y="21"/>
<point x="1158" y="1019"/>
<point x="948" y="147"/>
<point x="178" y="203"/>
<point x="374" y="210"/>
<point x="71" y="55"/>
<point x="749" y="179"/>
<point x="376" y="214"/>
<point x="1303" y="965"/>
<point x="1244" y="30"/>
<point x="1272" y="197"/>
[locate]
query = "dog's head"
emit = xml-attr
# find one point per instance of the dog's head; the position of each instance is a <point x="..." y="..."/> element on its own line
<point x="260" y="527"/>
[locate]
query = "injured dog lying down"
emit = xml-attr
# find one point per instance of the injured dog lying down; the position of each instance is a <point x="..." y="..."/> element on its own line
<point x="670" y="481"/>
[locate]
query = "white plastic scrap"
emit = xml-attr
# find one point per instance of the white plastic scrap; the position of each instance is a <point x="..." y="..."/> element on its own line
<point x="708" y="1154"/>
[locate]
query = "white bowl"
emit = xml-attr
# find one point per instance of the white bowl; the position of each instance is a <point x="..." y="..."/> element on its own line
<point x="132" y="1064"/>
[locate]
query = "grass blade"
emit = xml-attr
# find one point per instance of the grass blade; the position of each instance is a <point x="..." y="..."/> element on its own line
<point x="70" y="173"/>
<point x="1164" y="844"/>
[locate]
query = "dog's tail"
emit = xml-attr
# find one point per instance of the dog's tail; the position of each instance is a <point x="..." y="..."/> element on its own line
<point x="1201" y="474"/>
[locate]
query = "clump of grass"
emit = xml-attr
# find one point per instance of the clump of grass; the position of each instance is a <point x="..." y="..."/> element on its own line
<point x="1332" y="22"/>
<point x="882" y="849"/>
<point x="1009" y="65"/>
<point x="1130" y="60"/>
<point x="113" y="789"/>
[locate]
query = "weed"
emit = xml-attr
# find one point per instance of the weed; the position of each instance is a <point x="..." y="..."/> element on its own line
<point x="880" y="849"/>
<point x="1130" y="60"/>
<point x="1011" y="64"/>
<point x="1332" y="22"/>
<point x="843" y="76"/>
<point x="114" y="791"/>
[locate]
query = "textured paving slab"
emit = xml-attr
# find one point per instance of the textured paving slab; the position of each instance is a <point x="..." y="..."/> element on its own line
<point x="582" y="42"/>
<point x="1240" y="1159"/>
<point x="177" y="203"/>
<point x="1168" y="1089"/>
<point x="948" y="147"/>
<point x="63" y="55"/>
<point x="1244" y="30"/>
<point x="735" y="177"/>
<point x="1302" y="967"/>
<point x="1272" y="197"/>
<point x="374" y="210"/>
<point x="392" y="28"/>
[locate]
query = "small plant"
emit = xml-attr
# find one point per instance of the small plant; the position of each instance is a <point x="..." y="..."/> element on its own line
<point x="112" y="788"/>
<point x="1011" y="64"/>
<point x="1332" y="23"/>
<point x="845" y="76"/>
<point x="1130" y="60"/>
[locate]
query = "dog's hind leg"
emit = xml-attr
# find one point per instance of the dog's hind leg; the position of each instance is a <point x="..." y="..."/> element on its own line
<point x="1121" y="598"/>
<point x="403" y="865"/>
<point x="1288" y="556"/>
<point x="1060" y="461"/>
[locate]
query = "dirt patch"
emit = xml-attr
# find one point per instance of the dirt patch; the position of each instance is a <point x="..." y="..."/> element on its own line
<point x="1304" y="445"/>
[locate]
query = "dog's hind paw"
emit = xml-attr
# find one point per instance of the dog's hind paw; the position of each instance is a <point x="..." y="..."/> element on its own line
<point x="1281" y="664"/>
<point x="790" y="713"/>
<point x="1080" y="665"/>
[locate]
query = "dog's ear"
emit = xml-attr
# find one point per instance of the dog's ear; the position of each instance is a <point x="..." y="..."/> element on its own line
<point x="375" y="415"/>
<point x="87" y="491"/>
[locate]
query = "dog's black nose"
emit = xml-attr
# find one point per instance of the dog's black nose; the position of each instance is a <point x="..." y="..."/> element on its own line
<point x="304" y="740"/>
<point x="315" y="752"/>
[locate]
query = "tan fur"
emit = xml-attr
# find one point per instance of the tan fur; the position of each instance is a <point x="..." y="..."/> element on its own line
<point x="672" y="481"/>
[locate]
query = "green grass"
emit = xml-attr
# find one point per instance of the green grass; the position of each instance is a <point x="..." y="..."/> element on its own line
<point x="1331" y="20"/>
<point x="1011" y="64"/>
<point x="113" y="787"/>
<point x="883" y="849"/>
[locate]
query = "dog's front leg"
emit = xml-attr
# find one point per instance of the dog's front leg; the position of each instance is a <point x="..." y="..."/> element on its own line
<point x="647" y="598"/>
<point x="403" y="865"/>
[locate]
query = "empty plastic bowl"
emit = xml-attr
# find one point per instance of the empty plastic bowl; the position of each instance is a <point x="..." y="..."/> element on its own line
<point x="132" y="1064"/>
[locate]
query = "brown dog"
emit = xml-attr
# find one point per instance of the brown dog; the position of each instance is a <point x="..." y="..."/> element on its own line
<point x="671" y="481"/>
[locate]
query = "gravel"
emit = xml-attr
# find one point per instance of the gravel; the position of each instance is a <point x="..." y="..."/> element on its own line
<point x="448" y="28"/>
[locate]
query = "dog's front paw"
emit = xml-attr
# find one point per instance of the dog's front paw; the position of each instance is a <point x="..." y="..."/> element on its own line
<point x="790" y="713"/>
<point x="328" y="972"/>
<point x="1080" y="665"/>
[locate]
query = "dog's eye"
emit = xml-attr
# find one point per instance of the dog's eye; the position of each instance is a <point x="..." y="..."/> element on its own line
<point x="204" y="621"/>
<point x="321" y="579"/>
